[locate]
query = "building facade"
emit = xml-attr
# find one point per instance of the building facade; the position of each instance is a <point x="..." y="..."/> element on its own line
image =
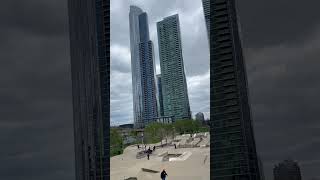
<point x="164" y="119"/>
<point x="90" y="67"/>
<point x="234" y="154"/>
<point x="199" y="116"/>
<point x="143" y="69"/>
<point x="126" y="126"/>
<point x="173" y="79"/>
<point x="160" y="97"/>
<point x="287" y="170"/>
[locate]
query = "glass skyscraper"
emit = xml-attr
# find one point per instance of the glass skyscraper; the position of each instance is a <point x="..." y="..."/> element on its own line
<point x="173" y="79"/>
<point x="233" y="152"/>
<point x="143" y="70"/>
<point x="90" y="65"/>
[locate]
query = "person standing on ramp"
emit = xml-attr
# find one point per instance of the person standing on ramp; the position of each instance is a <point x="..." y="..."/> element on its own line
<point x="163" y="175"/>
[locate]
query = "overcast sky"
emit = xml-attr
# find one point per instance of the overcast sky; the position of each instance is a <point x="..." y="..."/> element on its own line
<point x="194" y="48"/>
<point x="282" y="50"/>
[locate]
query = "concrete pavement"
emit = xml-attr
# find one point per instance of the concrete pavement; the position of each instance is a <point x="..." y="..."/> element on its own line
<point x="192" y="164"/>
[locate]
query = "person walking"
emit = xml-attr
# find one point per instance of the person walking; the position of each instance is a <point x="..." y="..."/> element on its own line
<point x="148" y="155"/>
<point x="163" y="174"/>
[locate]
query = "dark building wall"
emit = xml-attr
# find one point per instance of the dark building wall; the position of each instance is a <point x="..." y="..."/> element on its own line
<point x="234" y="154"/>
<point x="90" y="63"/>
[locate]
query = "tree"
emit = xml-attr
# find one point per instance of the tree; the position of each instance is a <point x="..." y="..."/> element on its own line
<point x="115" y="142"/>
<point x="188" y="126"/>
<point x="168" y="129"/>
<point x="155" y="132"/>
<point x="152" y="132"/>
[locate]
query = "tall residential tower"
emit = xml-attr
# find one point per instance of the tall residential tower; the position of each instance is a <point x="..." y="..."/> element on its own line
<point x="90" y="63"/>
<point x="174" y="84"/>
<point x="234" y="154"/>
<point x="143" y="69"/>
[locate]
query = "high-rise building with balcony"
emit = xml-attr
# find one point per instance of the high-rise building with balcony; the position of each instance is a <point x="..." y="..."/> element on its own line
<point x="143" y="69"/>
<point x="90" y="66"/>
<point x="173" y="78"/>
<point x="287" y="170"/>
<point x="234" y="154"/>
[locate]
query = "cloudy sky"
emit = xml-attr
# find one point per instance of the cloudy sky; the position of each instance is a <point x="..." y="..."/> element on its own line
<point x="282" y="50"/>
<point x="195" y="52"/>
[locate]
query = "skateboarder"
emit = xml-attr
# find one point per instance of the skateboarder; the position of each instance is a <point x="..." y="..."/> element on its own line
<point x="163" y="175"/>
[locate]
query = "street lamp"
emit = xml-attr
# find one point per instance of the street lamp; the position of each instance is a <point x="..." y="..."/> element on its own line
<point x="142" y="138"/>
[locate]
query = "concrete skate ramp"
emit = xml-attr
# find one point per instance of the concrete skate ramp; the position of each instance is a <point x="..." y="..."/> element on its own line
<point x="205" y="142"/>
<point x="132" y="178"/>
<point x="163" y="154"/>
<point x="168" y="156"/>
<point x="181" y="157"/>
<point x="141" y="154"/>
<point x="195" y="141"/>
<point x="149" y="170"/>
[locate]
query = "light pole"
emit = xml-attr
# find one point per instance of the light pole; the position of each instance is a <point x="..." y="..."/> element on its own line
<point x="174" y="132"/>
<point x="142" y="138"/>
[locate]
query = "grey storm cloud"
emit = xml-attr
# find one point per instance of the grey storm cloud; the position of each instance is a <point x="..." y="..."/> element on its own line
<point x="276" y="22"/>
<point x="281" y="43"/>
